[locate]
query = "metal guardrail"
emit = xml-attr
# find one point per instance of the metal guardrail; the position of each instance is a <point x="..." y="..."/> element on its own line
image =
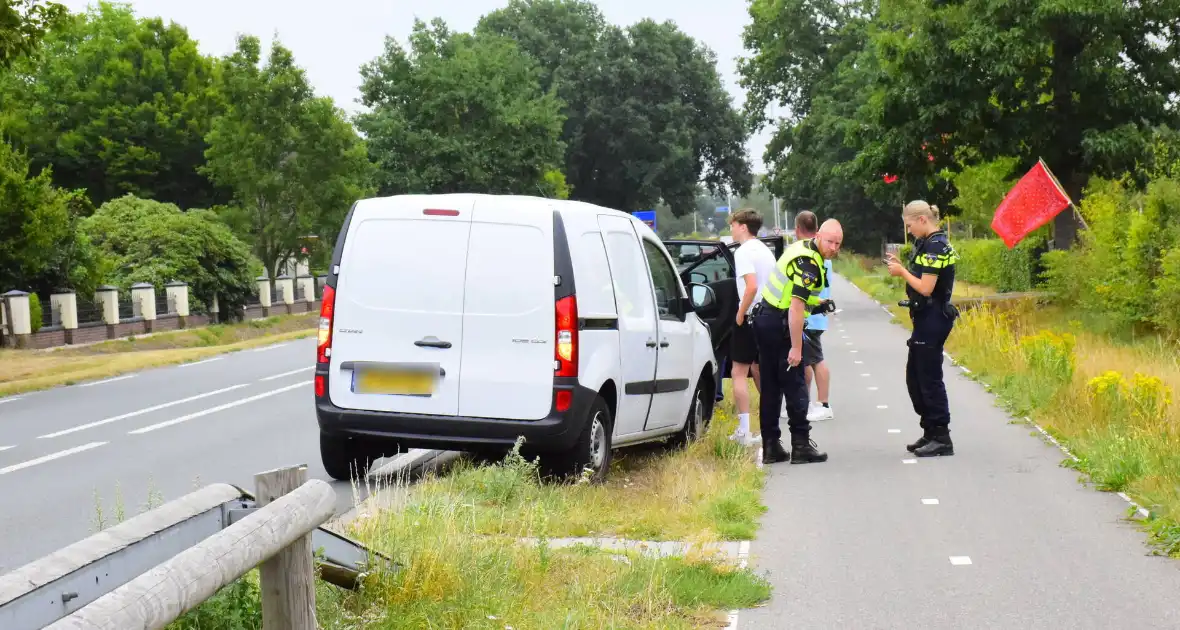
<point x="154" y="567"/>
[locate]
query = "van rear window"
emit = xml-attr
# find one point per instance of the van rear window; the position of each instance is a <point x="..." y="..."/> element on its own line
<point x="406" y="265"/>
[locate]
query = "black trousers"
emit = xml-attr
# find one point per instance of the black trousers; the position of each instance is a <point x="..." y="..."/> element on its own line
<point x="923" y="370"/>
<point x="776" y="380"/>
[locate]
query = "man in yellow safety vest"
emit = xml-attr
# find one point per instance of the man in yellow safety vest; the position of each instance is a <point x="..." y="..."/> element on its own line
<point x="789" y="295"/>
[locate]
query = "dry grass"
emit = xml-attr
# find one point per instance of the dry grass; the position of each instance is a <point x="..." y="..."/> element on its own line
<point x="30" y="370"/>
<point x="1110" y="400"/>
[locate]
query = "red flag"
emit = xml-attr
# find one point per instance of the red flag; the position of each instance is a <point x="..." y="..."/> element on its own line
<point x="1031" y="203"/>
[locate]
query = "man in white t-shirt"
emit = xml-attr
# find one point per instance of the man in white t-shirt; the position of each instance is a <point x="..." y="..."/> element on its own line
<point x="753" y="262"/>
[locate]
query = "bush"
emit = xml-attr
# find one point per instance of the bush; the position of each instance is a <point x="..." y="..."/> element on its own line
<point x="153" y="242"/>
<point x="990" y="263"/>
<point x="36" y="314"/>
<point x="1126" y="267"/>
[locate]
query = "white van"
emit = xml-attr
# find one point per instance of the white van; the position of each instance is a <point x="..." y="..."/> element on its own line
<point x="463" y="321"/>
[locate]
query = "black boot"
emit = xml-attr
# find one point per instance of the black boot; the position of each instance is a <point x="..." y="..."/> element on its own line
<point x="922" y="441"/>
<point x="803" y="451"/>
<point x="773" y="452"/>
<point x="937" y="445"/>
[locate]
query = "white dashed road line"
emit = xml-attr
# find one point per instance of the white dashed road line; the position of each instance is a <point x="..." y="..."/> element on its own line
<point x="269" y="348"/>
<point x="51" y="457"/>
<point x="929" y="501"/>
<point x="109" y="380"/>
<point x="212" y="410"/>
<point x="139" y="413"/>
<point x="5" y="448"/>
<point x="882" y="406"/>
<point x="960" y="560"/>
<point x="184" y="365"/>
<point x="909" y="461"/>
<point x="8" y="400"/>
<point x="284" y="374"/>
<point x="895" y="430"/>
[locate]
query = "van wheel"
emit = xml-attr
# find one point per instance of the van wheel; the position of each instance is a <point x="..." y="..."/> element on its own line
<point x="695" y="424"/>
<point x="592" y="450"/>
<point x="343" y="457"/>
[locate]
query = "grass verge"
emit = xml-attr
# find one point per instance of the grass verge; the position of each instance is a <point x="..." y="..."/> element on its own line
<point x="709" y="491"/>
<point x="30" y="370"/>
<point x="458" y="539"/>
<point x="1108" y="398"/>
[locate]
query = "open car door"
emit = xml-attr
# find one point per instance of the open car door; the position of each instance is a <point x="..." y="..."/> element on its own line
<point x="711" y="263"/>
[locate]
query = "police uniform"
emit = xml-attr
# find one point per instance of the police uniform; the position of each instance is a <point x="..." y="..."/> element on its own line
<point x="933" y="318"/>
<point x="799" y="273"/>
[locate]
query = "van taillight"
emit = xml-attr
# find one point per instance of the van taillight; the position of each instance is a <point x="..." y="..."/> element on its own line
<point x="566" y="353"/>
<point x="327" y="311"/>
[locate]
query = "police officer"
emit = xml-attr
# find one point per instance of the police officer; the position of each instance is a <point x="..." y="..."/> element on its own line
<point x="791" y="292"/>
<point x="930" y="279"/>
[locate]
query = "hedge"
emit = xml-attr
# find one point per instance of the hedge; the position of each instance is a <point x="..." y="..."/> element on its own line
<point x="989" y="262"/>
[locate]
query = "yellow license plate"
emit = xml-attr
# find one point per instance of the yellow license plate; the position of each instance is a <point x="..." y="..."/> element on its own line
<point x="397" y="382"/>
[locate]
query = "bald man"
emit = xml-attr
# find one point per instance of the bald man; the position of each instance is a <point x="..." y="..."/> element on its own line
<point x="791" y="292"/>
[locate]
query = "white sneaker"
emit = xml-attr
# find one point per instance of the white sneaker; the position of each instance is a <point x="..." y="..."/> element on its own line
<point x="745" y="439"/>
<point x="820" y="412"/>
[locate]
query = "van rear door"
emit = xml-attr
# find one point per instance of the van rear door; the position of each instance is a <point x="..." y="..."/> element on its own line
<point x="398" y="330"/>
<point x="508" y="312"/>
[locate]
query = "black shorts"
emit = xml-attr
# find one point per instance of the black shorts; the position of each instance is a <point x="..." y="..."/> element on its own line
<point x="813" y="352"/>
<point x="743" y="348"/>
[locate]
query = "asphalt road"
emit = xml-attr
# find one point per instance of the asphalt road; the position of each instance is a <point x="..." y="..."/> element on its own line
<point x="161" y="432"/>
<point x="997" y="536"/>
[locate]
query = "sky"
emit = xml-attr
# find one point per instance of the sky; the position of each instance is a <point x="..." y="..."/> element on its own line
<point x="332" y="44"/>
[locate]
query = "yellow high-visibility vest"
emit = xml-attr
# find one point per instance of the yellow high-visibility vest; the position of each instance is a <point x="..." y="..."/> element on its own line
<point x="786" y="275"/>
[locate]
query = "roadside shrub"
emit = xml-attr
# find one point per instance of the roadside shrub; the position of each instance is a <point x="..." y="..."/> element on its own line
<point x="149" y="241"/>
<point x="1125" y="266"/>
<point x="1166" y="295"/>
<point x="36" y="313"/>
<point x="990" y="263"/>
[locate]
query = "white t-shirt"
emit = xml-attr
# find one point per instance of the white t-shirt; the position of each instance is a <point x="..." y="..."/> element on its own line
<point x="754" y="257"/>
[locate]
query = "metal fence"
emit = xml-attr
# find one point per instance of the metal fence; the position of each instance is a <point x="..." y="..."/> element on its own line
<point x="49" y="315"/>
<point x="89" y="310"/>
<point x="127" y="308"/>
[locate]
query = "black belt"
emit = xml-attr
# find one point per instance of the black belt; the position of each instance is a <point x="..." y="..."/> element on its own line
<point x="764" y="305"/>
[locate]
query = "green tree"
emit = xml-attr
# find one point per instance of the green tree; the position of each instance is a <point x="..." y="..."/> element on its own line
<point x="647" y="118"/>
<point x="149" y="241"/>
<point x="116" y="105"/>
<point x="293" y="162"/>
<point x="40" y="248"/>
<point x="1076" y="83"/>
<point x="460" y="113"/>
<point x="23" y="24"/>
<point x="813" y="59"/>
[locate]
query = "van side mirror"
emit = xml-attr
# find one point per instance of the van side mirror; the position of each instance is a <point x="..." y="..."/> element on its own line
<point x="702" y="297"/>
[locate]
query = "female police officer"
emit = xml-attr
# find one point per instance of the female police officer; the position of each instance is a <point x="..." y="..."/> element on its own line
<point x="930" y="280"/>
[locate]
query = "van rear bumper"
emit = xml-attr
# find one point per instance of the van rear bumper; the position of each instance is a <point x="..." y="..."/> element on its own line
<point x="556" y="432"/>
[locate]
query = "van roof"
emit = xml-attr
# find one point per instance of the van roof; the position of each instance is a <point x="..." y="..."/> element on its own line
<point x="565" y="205"/>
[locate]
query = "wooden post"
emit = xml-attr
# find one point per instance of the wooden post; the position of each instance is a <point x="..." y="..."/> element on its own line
<point x="288" y="578"/>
